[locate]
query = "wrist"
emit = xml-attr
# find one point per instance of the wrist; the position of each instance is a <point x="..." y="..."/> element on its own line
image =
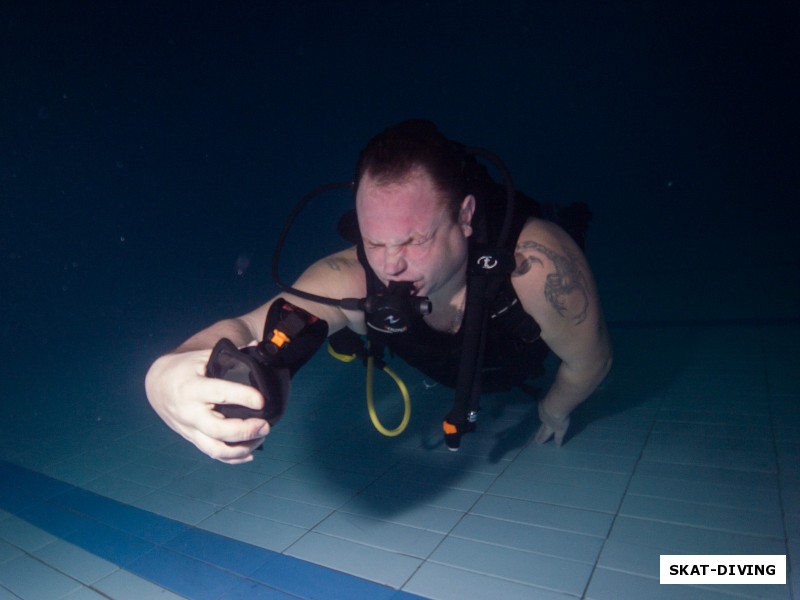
<point x="551" y="409"/>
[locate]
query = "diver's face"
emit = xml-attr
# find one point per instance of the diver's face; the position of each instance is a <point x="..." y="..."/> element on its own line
<point x="409" y="235"/>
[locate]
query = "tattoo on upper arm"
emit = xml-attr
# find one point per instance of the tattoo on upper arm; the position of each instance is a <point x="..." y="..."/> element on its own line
<point x="568" y="278"/>
<point x="338" y="264"/>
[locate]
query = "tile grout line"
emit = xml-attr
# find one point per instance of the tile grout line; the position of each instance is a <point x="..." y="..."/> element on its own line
<point x="335" y="511"/>
<point x="765" y="374"/>
<point x="622" y="498"/>
<point x="466" y="513"/>
<point x="155" y="545"/>
<point x="32" y="556"/>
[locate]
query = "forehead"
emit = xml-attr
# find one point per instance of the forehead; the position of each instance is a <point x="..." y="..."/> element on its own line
<point x="416" y="182"/>
<point x="396" y="209"/>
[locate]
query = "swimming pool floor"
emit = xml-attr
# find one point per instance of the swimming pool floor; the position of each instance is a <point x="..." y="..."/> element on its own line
<point x="692" y="446"/>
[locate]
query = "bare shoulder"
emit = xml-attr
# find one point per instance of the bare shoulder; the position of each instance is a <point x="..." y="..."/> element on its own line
<point x="345" y="260"/>
<point x="338" y="275"/>
<point x="553" y="279"/>
<point x="340" y="271"/>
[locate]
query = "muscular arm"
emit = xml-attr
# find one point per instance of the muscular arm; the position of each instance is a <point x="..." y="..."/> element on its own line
<point x="185" y="398"/>
<point x="556" y="287"/>
<point x="336" y="276"/>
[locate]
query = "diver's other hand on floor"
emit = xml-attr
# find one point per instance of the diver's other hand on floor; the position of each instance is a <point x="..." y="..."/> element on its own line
<point x="182" y="395"/>
<point x="552" y="427"/>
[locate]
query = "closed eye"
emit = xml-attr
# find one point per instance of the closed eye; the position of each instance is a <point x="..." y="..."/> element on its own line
<point x="411" y="242"/>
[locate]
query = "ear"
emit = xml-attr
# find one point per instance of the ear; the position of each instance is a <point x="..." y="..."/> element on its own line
<point x="465" y="215"/>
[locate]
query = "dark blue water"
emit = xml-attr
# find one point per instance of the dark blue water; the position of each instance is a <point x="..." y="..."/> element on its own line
<point x="148" y="151"/>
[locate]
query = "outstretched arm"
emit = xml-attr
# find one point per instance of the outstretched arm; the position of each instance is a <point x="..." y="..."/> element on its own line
<point x="556" y="287"/>
<point x="185" y="398"/>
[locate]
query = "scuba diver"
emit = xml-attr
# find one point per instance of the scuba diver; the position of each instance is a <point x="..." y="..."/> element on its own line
<point x="464" y="278"/>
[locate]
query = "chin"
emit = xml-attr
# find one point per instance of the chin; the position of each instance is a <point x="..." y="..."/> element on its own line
<point x="420" y="289"/>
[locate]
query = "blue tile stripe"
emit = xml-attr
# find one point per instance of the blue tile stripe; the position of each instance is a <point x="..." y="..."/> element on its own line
<point x="183" y="559"/>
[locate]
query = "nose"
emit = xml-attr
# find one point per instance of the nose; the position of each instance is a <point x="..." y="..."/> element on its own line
<point x="394" y="262"/>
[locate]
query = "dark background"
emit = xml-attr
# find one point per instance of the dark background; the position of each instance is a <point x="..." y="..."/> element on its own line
<point x="146" y="147"/>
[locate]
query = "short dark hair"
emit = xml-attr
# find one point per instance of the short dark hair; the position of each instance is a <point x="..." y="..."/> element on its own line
<point x="392" y="155"/>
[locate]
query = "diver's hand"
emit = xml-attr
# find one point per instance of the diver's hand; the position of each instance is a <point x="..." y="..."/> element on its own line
<point x="552" y="427"/>
<point x="182" y="395"/>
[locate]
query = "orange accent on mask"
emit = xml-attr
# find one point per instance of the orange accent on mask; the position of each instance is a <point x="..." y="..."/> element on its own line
<point x="279" y="338"/>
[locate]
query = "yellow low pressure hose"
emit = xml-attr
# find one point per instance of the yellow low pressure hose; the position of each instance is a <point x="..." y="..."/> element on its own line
<point x="371" y="402"/>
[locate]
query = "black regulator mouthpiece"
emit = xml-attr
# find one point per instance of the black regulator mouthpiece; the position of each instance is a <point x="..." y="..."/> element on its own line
<point x="392" y="311"/>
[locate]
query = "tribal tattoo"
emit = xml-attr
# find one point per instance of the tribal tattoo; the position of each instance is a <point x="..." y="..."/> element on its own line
<point x="568" y="278"/>
<point x="338" y="263"/>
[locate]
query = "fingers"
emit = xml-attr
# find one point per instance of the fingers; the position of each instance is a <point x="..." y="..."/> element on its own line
<point x="184" y="376"/>
<point x="543" y="434"/>
<point x="230" y="453"/>
<point x="208" y="393"/>
<point x="219" y="391"/>
<point x="558" y="437"/>
<point x="228" y="440"/>
<point x="551" y="427"/>
<point x="232" y="430"/>
<point x="186" y="399"/>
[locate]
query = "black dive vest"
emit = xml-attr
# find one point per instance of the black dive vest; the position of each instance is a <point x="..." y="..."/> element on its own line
<point x="514" y="351"/>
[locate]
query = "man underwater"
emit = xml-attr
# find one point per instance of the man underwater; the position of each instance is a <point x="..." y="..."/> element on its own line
<point x="419" y="200"/>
